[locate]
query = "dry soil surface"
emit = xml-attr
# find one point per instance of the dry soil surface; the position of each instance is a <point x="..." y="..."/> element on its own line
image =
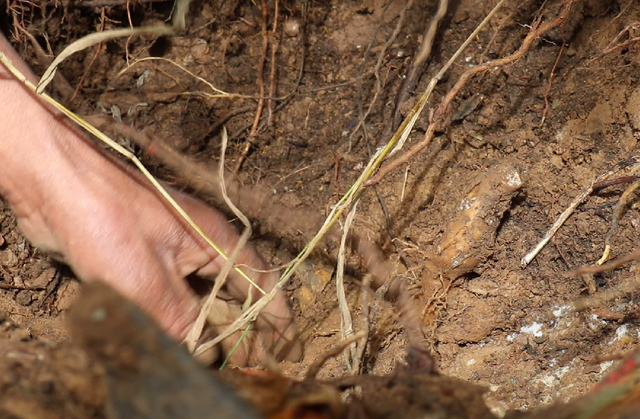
<point x="502" y="326"/>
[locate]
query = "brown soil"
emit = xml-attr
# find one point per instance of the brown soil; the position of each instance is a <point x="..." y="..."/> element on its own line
<point x="501" y="326"/>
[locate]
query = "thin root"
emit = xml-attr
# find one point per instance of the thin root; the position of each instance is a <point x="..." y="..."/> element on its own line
<point x="615" y="220"/>
<point x="439" y="120"/>
<point x="314" y="368"/>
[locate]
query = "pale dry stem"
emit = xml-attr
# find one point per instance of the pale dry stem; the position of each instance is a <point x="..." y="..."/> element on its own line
<point x="196" y="330"/>
<point x="584" y="193"/>
<point x="218" y="93"/>
<point x="376" y="69"/>
<point x="366" y="324"/>
<point x="346" y="322"/>
<point x="419" y="62"/>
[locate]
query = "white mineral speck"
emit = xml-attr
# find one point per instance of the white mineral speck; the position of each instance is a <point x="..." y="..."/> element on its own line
<point x="605" y="366"/>
<point x="513" y="179"/>
<point x="559" y="311"/>
<point x="466" y="203"/>
<point x="621" y="332"/>
<point x="534" y="329"/>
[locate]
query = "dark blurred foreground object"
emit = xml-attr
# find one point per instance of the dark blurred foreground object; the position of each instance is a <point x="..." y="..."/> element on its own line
<point x="148" y="375"/>
<point x="130" y="367"/>
<point x="411" y="391"/>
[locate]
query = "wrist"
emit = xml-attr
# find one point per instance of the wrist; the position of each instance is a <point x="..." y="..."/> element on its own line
<point x="35" y="156"/>
<point x="29" y="134"/>
<point x="39" y="146"/>
<point x="40" y="151"/>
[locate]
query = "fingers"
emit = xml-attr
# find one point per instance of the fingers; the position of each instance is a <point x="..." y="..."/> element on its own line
<point x="278" y="334"/>
<point x="278" y="331"/>
<point x="275" y="324"/>
<point x="240" y="348"/>
<point x="263" y="339"/>
<point x="174" y="310"/>
<point x="192" y="254"/>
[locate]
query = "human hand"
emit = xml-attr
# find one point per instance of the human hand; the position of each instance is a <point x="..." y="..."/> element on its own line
<point x="109" y="224"/>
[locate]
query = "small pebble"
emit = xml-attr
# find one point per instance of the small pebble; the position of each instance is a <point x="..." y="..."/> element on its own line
<point x="292" y="27"/>
<point x="8" y="258"/>
<point x="24" y="297"/>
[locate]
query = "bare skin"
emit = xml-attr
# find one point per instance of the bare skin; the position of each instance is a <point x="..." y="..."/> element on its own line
<point x="109" y="224"/>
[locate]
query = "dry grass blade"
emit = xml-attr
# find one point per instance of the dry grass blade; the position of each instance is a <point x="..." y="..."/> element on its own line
<point x="93" y="39"/>
<point x="196" y="330"/>
<point x="218" y="92"/>
<point x="346" y="322"/>
<point x="180" y="11"/>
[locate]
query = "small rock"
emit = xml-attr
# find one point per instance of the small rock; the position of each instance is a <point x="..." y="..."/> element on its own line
<point x="540" y="339"/>
<point x="67" y="294"/>
<point x="599" y="118"/>
<point x="314" y="278"/>
<point x="482" y="286"/>
<point x="43" y="279"/>
<point x="24" y="297"/>
<point x="461" y="16"/>
<point x="18" y="335"/>
<point x="291" y="200"/>
<point x="292" y="27"/>
<point x="8" y="258"/>
<point x="556" y="161"/>
<point x="200" y="49"/>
